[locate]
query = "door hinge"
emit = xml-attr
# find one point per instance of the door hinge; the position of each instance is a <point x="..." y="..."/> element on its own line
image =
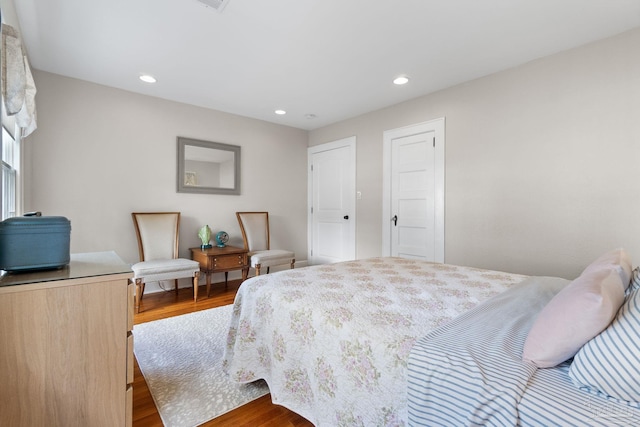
<point x="434" y="142"/>
<point x="311" y="167"/>
<point x="311" y="209"/>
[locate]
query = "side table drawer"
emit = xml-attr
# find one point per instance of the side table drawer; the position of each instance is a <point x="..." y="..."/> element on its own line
<point x="228" y="261"/>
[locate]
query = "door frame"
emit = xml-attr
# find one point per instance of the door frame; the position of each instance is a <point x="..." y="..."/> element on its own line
<point x="438" y="127"/>
<point x="349" y="142"/>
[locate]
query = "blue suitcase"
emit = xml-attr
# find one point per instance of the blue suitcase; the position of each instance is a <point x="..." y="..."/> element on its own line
<point x="34" y="243"/>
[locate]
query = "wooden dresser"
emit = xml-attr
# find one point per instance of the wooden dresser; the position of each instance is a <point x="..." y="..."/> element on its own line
<point x="66" y="347"/>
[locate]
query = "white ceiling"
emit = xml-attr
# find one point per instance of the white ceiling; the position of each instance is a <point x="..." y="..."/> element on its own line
<point x="332" y="58"/>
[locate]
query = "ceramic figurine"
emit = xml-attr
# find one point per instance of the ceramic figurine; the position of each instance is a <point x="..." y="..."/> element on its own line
<point x="205" y="236"/>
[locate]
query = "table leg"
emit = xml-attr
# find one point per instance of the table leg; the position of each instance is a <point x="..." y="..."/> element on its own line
<point x="208" y="283"/>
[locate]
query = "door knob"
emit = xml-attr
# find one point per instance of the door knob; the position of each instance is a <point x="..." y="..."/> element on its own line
<point x="395" y="220"/>
<point x="346" y="217"/>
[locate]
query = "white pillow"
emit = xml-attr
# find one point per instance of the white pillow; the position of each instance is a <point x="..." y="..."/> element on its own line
<point x="610" y="362"/>
<point x="635" y="280"/>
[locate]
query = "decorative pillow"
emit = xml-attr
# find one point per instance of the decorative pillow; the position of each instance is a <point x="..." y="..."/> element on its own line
<point x="618" y="259"/>
<point x="610" y="362"/>
<point x="635" y="280"/>
<point x="576" y="314"/>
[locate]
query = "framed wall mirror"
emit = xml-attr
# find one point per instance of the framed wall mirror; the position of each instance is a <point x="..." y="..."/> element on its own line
<point x="207" y="167"/>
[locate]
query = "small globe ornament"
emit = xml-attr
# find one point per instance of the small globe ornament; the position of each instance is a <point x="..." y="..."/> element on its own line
<point x="221" y="239"/>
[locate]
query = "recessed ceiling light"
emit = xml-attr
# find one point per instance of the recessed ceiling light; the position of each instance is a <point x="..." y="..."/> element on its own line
<point x="147" y="78"/>
<point x="280" y="112"/>
<point x="401" y="80"/>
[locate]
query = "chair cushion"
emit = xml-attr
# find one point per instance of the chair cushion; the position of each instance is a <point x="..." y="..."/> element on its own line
<point x="165" y="269"/>
<point x="271" y="257"/>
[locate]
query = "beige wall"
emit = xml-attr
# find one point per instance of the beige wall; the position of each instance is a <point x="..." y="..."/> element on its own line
<point x="540" y="161"/>
<point x="100" y="153"/>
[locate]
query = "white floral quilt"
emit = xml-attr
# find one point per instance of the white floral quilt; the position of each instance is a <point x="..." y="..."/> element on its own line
<point x="332" y="341"/>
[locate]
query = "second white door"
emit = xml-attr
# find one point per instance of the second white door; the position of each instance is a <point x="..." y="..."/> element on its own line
<point x="332" y="202"/>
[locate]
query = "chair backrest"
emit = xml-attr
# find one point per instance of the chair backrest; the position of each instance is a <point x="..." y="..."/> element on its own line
<point x="157" y="234"/>
<point x="255" y="230"/>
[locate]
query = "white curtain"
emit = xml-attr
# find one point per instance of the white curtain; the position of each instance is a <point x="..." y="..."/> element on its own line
<point x="18" y="87"/>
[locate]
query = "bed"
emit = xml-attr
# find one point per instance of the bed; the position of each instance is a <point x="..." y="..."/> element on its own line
<point x="332" y="341"/>
<point x="397" y="342"/>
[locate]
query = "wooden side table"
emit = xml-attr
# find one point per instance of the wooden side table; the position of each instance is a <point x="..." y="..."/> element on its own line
<point x="221" y="260"/>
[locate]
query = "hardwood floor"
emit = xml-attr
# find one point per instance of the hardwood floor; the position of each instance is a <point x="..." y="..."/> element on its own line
<point x="260" y="412"/>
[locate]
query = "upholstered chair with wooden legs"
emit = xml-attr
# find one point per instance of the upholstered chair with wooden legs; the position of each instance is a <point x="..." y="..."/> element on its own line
<point x="255" y="233"/>
<point x="158" y="234"/>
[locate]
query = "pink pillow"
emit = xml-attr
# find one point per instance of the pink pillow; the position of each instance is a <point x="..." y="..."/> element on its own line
<point x="579" y="312"/>
<point x="618" y="259"/>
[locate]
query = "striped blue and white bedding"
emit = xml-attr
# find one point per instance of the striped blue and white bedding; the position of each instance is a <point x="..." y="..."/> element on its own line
<point x="551" y="399"/>
<point x="470" y="371"/>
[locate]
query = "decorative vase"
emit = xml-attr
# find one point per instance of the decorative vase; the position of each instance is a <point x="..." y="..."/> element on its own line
<point x="205" y="236"/>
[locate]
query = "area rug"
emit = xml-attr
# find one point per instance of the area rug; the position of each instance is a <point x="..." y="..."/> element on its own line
<point x="181" y="360"/>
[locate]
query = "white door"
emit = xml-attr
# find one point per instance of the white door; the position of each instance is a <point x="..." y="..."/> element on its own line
<point x="412" y="196"/>
<point x="332" y="202"/>
<point x="414" y="192"/>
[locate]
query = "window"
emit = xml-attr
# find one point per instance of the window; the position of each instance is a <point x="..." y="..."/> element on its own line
<point x="10" y="166"/>
<point x="14" y="127"/>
